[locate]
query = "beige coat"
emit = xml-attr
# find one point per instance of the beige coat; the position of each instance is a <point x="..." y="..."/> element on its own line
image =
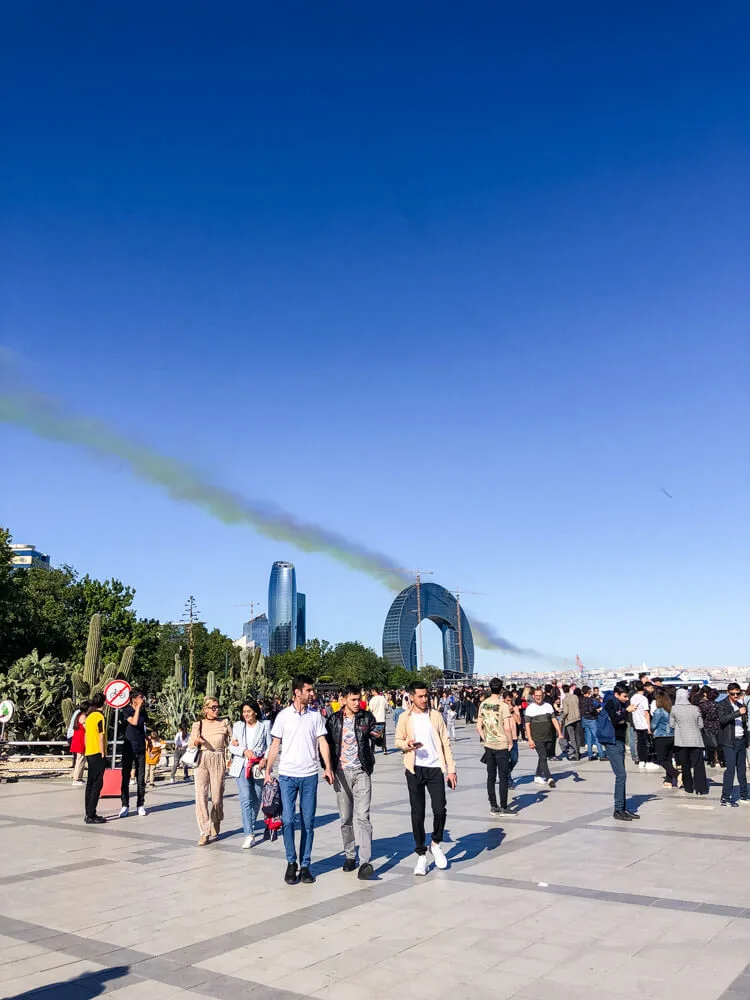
<point x="405" y="732"/>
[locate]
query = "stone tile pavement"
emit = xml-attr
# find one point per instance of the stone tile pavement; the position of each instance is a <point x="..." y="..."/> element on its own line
<point x="559" y="901"/>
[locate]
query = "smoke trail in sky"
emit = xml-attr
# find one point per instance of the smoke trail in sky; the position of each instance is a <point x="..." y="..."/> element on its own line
<point x="50" y="419"/>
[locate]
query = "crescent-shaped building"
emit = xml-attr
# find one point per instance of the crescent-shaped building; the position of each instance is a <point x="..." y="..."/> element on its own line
<point x="442" y="608"/>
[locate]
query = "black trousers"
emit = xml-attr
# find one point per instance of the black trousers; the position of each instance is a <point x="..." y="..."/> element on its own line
<point x="691" y="759"/>
<point x="97" y="765"/>
<point x="641" y="742"/>
<point x="498" y="772"/>
<point x="130" y="759"/>
<point x="544" y="751"/>
<point x="432" y="780"/>
<point x="574" y="733"/>
<point x="663" y="748"/>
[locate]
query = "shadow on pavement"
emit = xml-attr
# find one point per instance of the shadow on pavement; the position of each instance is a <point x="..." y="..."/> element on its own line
<point x="88" y="984"/>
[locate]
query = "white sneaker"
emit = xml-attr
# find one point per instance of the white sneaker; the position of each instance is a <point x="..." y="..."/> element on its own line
<point x="652" y="767"/>
<point x="438" y="856"/>
<point x="76" y="784"/>
<point x="124" y="812"/>
<point x="539" y="781"/>
<point x="248" y="842"/>
<point x="642" y="765"/>
<point x="141" y="810"/>
<point x="171" y="781"/>
<point x="421" y="866"/>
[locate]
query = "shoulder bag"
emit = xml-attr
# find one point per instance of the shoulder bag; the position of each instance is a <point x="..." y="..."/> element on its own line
<point x="192" y="755"/>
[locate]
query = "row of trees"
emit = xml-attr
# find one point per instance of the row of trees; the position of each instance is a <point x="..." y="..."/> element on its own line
<point x="46" y="618"/>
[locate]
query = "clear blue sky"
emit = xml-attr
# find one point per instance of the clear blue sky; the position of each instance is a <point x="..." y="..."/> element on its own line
<point x="468" y="283"/>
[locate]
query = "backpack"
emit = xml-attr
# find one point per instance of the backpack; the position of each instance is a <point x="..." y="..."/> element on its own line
<point x="605" y="731"/>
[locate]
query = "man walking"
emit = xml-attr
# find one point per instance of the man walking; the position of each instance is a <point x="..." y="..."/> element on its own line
<point x="541" y="727"/>
<point x="134" y="753"/>
<point x="612" y="728"/>
<point x="734" y="739"/>
<point x="352" y="761"/>
<point x="378" y="706"/>
<point x="494" y="726"/>
<point x="96" y="758"/>
<point x="423" y="739"/>
<point x="571" y="718"/>
<point x="300" y="734"/>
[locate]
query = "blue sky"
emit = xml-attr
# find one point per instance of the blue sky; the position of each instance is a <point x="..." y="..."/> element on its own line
<point x="468" y="285"/>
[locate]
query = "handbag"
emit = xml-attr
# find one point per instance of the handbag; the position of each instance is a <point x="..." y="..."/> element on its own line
<point x="192" y="755"/>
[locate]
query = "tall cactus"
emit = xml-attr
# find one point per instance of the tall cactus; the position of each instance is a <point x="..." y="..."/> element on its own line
<point x="178" y="673"/>
<point x="211" y="684"/>
<point x="93" y="678"/>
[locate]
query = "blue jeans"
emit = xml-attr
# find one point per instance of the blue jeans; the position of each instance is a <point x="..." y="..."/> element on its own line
<point x="249" y="793"/>
<point x="307" y="788"/>
<point x="589" y="732"/>
<point x="736" y="760"/>
<point x="514" y="755"/>
<point x="633" y="739"/>
<point x="616" y="758"/>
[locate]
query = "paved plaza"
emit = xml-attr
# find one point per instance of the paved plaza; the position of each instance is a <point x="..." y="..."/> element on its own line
<point x="558" y="902"/>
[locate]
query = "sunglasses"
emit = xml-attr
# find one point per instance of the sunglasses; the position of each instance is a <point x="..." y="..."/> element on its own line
<point x="213" y="708"/>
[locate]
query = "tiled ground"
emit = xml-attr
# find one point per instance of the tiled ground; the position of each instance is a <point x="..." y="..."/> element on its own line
<point x="557" y="902"/>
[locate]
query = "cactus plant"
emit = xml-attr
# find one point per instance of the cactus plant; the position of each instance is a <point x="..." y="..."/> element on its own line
<point x="211" y="684"/>
<point x="178" y="673"/>
<point x="94" y="678"/>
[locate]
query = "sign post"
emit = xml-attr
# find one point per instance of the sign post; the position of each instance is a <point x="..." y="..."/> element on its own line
<point x="7" y="711"/>
<point x="117" y="696"/>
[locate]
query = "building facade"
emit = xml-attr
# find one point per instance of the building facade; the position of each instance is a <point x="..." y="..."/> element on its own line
<point x="282" y="608"/>
<point x="256" y="631"/>
<point x="26" y="556"/>
<point x="301" y="619"/>
<point x="439" y="606"/>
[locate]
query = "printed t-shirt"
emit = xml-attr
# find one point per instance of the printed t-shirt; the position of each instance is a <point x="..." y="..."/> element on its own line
<point x="492" y="715"/>
<point x="427" y="755"/>
<point x="641" y="707"/>
<point x="94" y="726"/>
<point x="299" y="733"/>
<point x="349" y="749"/>
<point x="540" y="719"/>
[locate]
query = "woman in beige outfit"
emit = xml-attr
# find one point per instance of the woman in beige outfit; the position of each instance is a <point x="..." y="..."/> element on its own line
<point x="212" y="735"/>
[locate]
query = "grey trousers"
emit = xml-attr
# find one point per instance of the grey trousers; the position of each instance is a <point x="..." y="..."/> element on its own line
<point x="353" y="795"/>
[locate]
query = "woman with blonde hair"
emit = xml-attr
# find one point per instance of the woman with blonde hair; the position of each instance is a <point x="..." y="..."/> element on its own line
<point x="212" y="735"/>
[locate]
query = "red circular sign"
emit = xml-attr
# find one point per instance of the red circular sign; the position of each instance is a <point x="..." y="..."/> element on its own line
<point x="117" y="694"/>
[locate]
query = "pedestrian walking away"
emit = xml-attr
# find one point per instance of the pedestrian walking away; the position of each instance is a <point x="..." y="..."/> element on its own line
<point x="494" y="726"/>
<point x="211" y="734"/>
<point x="735" y="740"/>
<point x="423" y="739"/>
<point x="378" y="706"/>
<point x="95" y="745"/>
<point x="541" y="728"/>
<point x="181" y="740"/>
<point x="353" y="761"/>
<point x="612" y="732"/>
<point x="299" y="734"/>
<point x="661" y="727"/>
<point x="570" y="710"/>
<point x="134" y="753"/>
<point x="251" y="741"/>
<point x="687" y="722"/>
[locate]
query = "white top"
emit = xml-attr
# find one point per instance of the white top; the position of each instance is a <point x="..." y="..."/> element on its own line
<point x="299" y="733"/>
<point x="254" y="738"/>
<point x="180" y="741"/>
<point x="641" y="707"/>
<point x="533" y="709"/>
<point x="427" y="754"/>
<point x="377" y="707"/>
<point x="739" y="731"/>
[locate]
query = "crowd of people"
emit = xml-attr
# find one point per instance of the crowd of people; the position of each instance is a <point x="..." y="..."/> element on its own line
<point x="274" y="753"/>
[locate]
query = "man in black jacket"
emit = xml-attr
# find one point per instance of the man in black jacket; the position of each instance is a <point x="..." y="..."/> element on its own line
<point x="353" y="760"/>
<point x="733" y="737"/>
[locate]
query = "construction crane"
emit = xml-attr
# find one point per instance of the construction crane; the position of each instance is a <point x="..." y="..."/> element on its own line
<point x="252" y="605"/>
<point x="457" y="594"/>
<point x="418" y="573"/>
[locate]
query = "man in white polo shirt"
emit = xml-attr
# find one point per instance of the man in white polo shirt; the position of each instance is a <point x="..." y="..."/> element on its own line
<point x="300" y="734"/>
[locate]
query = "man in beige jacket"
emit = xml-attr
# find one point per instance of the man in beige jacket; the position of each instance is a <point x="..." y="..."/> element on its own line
<point x="422" y="737"/>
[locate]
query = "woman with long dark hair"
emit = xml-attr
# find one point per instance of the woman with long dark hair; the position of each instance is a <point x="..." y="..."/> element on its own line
<point x="661" y="729"/>
<point x="249" y="746"/>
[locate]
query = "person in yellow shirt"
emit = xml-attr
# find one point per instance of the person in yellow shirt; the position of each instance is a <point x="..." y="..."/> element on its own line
<point x="335" y="703"/>
<point x="154" y="747"/>
<point x="95" y="748"/>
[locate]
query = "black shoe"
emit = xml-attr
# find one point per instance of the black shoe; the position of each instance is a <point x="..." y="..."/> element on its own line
<point x="552" y="783"/>
<point x="350" y="865"/>
<point x="306" y="876"/>
<point x="291" y="877"/>
<point x="507" y="812"/>
<point x="365" y="871"/>
<point x="620" y="814"/>
<point x="494" y="810"/>
<point x="631" y="815"/>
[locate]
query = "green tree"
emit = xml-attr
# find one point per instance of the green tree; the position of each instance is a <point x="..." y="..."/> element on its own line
<point x="398" y="677"/>
<point x="354" y="663"/>
<point x="37" y="686"/>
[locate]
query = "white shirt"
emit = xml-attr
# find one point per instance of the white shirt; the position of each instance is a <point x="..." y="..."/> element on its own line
<point x="299" y="733"/>
<point x="533" y="709"/>
<point x="427" y="754"/>
<point x="180" y="741"/>
<point x="377" y="707"/>
<point x="641" y="707"/>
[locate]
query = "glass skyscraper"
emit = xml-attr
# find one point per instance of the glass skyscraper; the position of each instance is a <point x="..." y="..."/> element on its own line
<point x="439" y="606"/>
<point x="301" y="620"/>
<point x="257" y="631"/>
<point x="282" y="608"/>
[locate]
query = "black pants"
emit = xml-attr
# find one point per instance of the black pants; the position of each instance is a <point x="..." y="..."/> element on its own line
<point x="641" y="742"/>
<point x="97" y="765"/>
<point x="544" y="751"/>
<point x="498" y="771"/>
<point x="663" y="747"/>
<point x="691" y="759"/>
<point x="132" y="758"/>
<point x="429" y="779"/>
